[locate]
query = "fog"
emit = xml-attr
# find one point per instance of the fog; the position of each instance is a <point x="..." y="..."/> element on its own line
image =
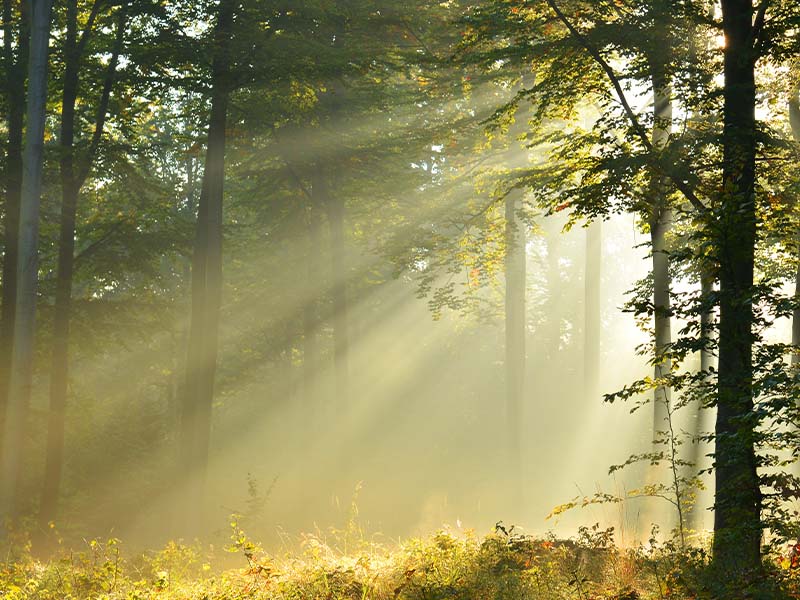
<point x="418" y="444"/>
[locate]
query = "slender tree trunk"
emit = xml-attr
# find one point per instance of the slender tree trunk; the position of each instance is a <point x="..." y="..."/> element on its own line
<point x="737" y="523"/>
<point x="660" y="224"/>
<point x="591" y="310"/>
<point x="311" y="304"/>
<point x="552" y="325"/>
<point x="206" y="283"/>
<point x="73" y="175"/>
<point x="663" y="334"/>
<point x="698" y="448"/>
<point x="341" y="338"/>
<point x="27" y="265"/>
<point x="796" y="312"/>
<point x="794" y="119"/>
<point x="15" y="98"/>
<point x="515" y="328"/>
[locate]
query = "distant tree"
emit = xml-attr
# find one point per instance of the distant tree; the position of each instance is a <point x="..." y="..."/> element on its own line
<point x="198" y="392"/>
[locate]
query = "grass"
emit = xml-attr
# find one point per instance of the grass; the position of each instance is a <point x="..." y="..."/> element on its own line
<point x="502" y="565"/>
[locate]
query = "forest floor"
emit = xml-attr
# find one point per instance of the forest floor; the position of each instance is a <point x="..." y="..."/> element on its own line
<point x="502" y="565"/>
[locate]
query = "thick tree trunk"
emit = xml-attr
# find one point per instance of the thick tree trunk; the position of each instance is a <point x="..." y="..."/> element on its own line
<point x="15" y="99"/>
<point x="515" y="328"/>
<point x="28" y="261"/>
<point x="201" y="360"/>
<point x="73" y="175"/>
<point x="737" y="523"/>
<point x="591" y="310"/>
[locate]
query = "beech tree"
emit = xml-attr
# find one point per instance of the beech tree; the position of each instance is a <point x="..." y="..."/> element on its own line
<point x="201" y="364"/>
<point x="16" y="422"/>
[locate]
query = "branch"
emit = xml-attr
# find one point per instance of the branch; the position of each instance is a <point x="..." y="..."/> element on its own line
<point x="758" y="26"/>
<point x="640" y="131"/>
<point x="105" y="97"/>
<point x="87" y="30"/>
<point x="298" y="180"/>
<point x="92" y="248"/>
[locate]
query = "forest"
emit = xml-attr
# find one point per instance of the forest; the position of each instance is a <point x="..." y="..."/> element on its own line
<point x="400" y="299"/>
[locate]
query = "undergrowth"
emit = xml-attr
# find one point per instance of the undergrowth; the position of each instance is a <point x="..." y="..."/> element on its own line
<point x="503" y="565"/>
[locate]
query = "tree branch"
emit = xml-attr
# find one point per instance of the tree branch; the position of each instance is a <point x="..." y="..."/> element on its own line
<point x="87" y="30"/>
<point x="105" y="97"/>
<point x="640" y="131"/>
<point x="758" y="26"/>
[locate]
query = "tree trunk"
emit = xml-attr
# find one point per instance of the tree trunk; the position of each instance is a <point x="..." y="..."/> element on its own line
<point x="515" y="328"/>
<point x="15" y="99"/>
<point x="591" y="310"/>
<point x="341" y="339"/>
<point x="796" y="312"/>
<point x="737" y="523"/>
<point x="660" y="223"/>
<point x="27" y="264"/>
<point x="312" y="290"/>
<point x="73" y="175"/>
<point x="794" y="119"/>
<point x="698" y="449"/>
<point x="663" y="334"/>
<point x="201" y="360"/>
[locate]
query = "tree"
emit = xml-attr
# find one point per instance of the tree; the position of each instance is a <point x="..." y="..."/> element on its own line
<point x="591" y="310"/>
<point x="15" y="57"/>
<point x="16" y="422"/>
<point x="198" y="392"/>
<point x="737" y="507"/>
<point x="74" y="170"/>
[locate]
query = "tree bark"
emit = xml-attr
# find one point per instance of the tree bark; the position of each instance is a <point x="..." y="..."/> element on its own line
<point x="515" y="328"/>
<point x="201" y="360"/>
<point x="660" y="224"/>
<point x="27" y="264"/>
<point x="591" y="310"/>
<point x="74" y="172"/>
<point x="794" y="119"/>
<point x="737" y="523"/>
<point x="15" y="98"/>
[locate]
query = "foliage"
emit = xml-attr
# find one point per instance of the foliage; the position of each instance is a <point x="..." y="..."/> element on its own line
<point x="503" y="564"/>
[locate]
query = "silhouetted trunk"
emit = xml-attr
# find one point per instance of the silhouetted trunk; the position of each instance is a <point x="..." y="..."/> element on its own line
<point x="188" y="207"/>
<point x="311" y="302"/>
<point x="552" y="324"/>
<point x="334" y="205"/>
<point x="591" y="310"/>
<point x="201" y="360"/>
<point x="737" y="524"/>
<point x="74" y="172"/>
<point x="15" y="67"/>
<point x="699" y="428"/>
<point x="515" y="328"/>
<point x="28" y="262"/>
<point x="660" y="224"/>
